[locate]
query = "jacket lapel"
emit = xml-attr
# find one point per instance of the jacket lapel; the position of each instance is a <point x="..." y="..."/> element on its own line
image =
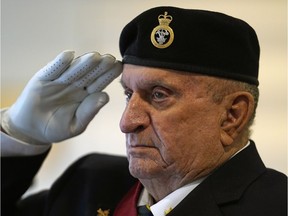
<point x="223" y="187"/>
<point x="231" y="180"/>
<point x="200" y="202"/>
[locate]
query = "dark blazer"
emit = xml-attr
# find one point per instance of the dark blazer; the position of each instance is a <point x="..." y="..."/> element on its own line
<point x="242" y="186"/>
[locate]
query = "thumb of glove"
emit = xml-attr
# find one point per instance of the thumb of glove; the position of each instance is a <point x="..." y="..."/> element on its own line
<point x="88" y="109"/>
<point x="84" y="113"/>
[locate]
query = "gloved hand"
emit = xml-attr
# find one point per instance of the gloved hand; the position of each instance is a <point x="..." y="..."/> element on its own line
<point x="62" y="98"/>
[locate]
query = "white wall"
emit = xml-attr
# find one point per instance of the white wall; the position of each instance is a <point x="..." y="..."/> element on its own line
<point x="34" y="31"/>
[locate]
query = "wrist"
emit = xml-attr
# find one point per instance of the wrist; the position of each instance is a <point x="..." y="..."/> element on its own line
<point x="11" y="147"/>
<point x="7" y="128"/>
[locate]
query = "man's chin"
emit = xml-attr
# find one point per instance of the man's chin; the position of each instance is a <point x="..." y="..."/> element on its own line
<point x="143" y="168"/>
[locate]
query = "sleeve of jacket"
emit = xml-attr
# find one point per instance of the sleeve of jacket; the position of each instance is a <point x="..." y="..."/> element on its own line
<point x="94" y="181"/>
<point x="17" y="175"/>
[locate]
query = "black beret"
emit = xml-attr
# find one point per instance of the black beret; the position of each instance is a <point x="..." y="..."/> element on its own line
<point x="197" y="41"/>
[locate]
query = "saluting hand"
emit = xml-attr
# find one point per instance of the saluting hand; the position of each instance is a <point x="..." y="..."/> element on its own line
<point x="62" y="98"/>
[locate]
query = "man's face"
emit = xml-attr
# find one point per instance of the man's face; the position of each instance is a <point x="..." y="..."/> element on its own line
<point x="172" y="126"/>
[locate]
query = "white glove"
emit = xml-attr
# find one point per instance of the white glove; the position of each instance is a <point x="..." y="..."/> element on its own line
<point x="62" y="98"/>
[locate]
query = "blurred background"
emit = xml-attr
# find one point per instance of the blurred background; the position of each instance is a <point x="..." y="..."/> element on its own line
<point x="33" y="32"/>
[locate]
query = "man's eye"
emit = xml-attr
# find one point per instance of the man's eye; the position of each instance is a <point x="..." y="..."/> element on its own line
<point x="158" y="96"/>
<point x="128" y="95"/>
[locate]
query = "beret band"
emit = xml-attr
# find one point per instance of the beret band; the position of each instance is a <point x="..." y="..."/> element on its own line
<point x="196" y="41"/>
<point x="188" y="68"/>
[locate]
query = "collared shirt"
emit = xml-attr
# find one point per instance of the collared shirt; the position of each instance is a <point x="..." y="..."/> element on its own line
<point x="169" y="202"/>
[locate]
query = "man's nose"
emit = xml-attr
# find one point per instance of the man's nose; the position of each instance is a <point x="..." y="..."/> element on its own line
<point x="135" y="117"/>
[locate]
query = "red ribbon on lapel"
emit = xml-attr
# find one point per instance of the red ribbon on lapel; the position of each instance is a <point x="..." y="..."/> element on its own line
<point x="128" y="205"/>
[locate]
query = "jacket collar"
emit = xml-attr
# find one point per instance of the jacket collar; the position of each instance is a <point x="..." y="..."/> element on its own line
<point x="229" y="182"/>
<point x="226" y="184"/>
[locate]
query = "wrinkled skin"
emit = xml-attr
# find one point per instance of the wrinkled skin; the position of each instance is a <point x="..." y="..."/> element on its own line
<point x="174" y="130"/>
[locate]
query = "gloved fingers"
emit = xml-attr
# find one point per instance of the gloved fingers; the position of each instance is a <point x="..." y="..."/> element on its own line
<point x="80" y="67"/>
<point x="57" y="93"/>
<point x="106" y="78"/>
<point x="56" y="67"/>
<point x="106" y="63"/>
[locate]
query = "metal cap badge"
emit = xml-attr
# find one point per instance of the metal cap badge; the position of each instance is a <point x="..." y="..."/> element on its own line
<point x="162" y="35"/>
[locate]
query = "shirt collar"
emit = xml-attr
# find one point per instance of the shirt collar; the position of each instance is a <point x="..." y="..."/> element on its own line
<point x="169" y="202"/>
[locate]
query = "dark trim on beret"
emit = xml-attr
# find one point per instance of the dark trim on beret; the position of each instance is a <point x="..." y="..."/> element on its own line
<point x="188" y="68"/>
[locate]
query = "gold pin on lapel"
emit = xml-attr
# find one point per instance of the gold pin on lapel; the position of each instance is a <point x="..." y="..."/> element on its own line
<point x="101" y="212"/>
<point x="162" y="35"/>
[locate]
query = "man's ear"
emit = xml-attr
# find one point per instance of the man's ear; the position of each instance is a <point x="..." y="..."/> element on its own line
<point x="239" y="108"/>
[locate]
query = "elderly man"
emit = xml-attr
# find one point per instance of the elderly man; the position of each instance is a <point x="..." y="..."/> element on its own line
<point x="190" y="78"/>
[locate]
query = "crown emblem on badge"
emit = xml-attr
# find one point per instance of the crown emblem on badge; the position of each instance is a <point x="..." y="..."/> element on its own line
<point x="165" y="19"/>
<point x="162" y="35"/>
